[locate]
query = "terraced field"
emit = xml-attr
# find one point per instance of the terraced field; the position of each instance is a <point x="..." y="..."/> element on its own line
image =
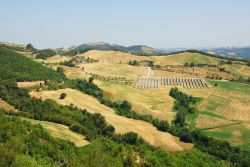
<point x="121" y="124"/>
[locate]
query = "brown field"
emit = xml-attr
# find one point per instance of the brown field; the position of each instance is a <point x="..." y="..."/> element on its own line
<point x="61" y="132"/>
<point x="155" y="102"/>
<point x="238" y="69"/>
<point x="56" y="59"/>
<point x="115" y="70"/>
<point x="231" y="104"/>
<point x="205" y="121"/>
<point x="29" y="84"/>
<point x="180" y="59"/>
<point x="121" y="124"/>
<point x="7" y="107"/>
<point x="113" y="56"/>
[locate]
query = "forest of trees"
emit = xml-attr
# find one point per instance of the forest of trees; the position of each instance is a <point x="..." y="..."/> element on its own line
<point x="19" y="68"/>
<point x="45" y="53"/>
<point x="106" y="148"/>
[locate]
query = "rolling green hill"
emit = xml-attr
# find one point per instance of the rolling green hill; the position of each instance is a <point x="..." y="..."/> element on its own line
<point x="21" y="142"/>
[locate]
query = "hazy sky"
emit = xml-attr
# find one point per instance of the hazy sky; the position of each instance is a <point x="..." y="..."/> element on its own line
<point x="157" y="23"/>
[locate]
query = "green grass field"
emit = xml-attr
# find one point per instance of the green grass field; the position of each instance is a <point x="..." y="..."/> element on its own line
<point x="226" y="85"/>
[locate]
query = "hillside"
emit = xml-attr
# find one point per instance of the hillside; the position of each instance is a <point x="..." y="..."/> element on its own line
<point x="102" y="109"/>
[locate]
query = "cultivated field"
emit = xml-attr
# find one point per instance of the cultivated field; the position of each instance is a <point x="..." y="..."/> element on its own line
<point x="7" y="107"/>
<point x="113" y="56"/>
<point x="224" y="111"/>
<point x="121" y="124"/>
<point x="115" y="70"/>
<point x="56" y="59"/>
<point x="182" y="58"/>
<point x="155" y="102"/>
<point x="238" y="69"/>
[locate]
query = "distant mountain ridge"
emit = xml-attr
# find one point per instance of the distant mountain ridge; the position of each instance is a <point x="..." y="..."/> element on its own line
<point x="240" y="52"/>
<point x="231" y="52"/>
<point x="135" y="49"/>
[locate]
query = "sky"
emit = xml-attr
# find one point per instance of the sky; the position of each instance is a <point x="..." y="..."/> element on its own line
<point x="156" y="23"/>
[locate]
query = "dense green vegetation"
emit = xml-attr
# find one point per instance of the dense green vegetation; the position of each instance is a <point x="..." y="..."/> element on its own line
<point x="62" y="96"/>
<point x="23" y="144"/>
<point x="184" y="104"/>
<point x="134" y="63"/>
<point x="45" y="53"/>
<point x="19" y="68"/>
<point x="30" y="47"/>
<point x="231" y="85"/>
<point x="74" y="52"/>
<point x="69" y="63"/>
<point x="14" y="47"/>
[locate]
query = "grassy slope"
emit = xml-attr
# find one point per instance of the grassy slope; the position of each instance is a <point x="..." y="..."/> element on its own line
<point x="61" y="132"/>
<point x="226" y="111"/>
<point x="155" y="102"/>
<point x="56" y="130"/>
<point x="121" y="124"/>
<point x="238" y="69"/>
<point x="180" y="59"/>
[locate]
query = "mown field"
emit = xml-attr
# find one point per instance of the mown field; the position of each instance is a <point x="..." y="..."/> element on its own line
<point x="224" y="112"/>
<point x="121" y="124"/>
<point x="61" y="132"/>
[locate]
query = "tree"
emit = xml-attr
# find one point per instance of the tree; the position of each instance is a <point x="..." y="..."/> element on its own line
<point x="192" y="64"/>
<point x="222" y="68"/>
<point x="63" y="95"/>
<point x="130" y="138"/>
<point x="91" y="79"/>
<point x="248" y="63"/>
<point x="126" y="105"/>
<point x="60" y="70"/>
<point x="30" y="47"/>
